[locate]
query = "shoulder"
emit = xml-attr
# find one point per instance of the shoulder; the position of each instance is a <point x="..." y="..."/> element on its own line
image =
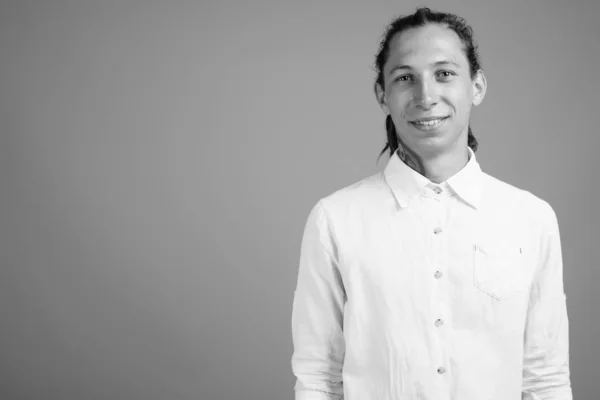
<point x="518" y="201"/>
<point x="354" y="199"/>
<point x="361" y="193"/>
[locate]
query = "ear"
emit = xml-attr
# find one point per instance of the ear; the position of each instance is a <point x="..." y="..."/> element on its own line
<point x="479" y="88"/>
<point x="380" y="95"/>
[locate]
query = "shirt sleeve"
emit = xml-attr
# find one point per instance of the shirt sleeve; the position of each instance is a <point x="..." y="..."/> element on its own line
<point x="317" y="314"/>
<point x="546" y="372"/>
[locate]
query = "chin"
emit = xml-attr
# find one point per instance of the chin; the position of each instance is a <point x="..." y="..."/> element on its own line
<point x="433" y="143"/>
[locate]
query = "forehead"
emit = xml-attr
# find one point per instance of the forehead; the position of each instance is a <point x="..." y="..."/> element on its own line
<point x="425" y="45"/>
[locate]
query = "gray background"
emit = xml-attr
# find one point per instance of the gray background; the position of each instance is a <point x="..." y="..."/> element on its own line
<point x="159" y="160"/>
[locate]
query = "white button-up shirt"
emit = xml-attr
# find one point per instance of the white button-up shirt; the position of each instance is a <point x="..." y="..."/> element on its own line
<point x="410" y="290"/>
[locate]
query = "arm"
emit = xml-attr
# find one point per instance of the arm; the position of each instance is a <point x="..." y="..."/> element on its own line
<point x="317" y="315"/>
<point x="546" y="373"/>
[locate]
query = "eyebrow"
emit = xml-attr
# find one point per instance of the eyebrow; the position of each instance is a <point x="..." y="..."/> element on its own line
<point x="435" y="64"/>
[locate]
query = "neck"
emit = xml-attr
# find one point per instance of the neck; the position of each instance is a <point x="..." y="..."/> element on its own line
<point x="437" y="168"/>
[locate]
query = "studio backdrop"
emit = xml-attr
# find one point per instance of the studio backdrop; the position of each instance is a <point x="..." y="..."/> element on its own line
<point x="158" y="161"/>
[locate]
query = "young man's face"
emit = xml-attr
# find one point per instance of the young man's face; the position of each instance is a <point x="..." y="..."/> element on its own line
<point x="428" y="89"/>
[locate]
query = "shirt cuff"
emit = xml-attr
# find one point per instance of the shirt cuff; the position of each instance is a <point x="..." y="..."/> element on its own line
<point x="565" y="394"/>
<point x="315" y="395"/>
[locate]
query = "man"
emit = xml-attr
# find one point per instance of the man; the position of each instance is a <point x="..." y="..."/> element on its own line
<point x="430" y="280"/>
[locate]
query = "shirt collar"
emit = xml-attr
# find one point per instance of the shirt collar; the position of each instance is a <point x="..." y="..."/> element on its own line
<point x="407" y="184"/>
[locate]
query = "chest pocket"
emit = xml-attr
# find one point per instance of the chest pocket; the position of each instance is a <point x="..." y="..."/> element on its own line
<point x="498" y="270"/>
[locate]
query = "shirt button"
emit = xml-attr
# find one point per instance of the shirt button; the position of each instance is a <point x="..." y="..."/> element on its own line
<point x="438" y="274"/>
<point x="439" y="322"/>
<point x="437" y="190"/>
<point x="441" y="370"/>
<point x="437" y="230"/>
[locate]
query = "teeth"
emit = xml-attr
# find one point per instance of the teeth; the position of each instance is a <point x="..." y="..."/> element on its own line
<point x="429" y="123"/>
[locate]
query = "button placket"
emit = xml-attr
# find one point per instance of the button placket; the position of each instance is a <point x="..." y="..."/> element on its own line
<point x="440" y="250"/>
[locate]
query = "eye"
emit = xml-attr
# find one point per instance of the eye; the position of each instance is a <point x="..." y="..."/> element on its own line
<point x="403" y="78"/>
<point x="445" y="74"/>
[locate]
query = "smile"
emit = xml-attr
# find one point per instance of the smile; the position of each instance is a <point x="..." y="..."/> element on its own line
<point x="428" y="124"/>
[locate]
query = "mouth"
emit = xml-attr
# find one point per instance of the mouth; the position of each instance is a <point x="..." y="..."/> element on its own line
<point x="428" y="124"/>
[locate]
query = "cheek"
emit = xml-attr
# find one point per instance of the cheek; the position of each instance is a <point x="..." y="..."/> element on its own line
<point x="461" y="98"/>
<point x="398" y="102"/>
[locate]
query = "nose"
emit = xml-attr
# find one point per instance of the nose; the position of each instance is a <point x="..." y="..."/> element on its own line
<point x="424" y="95"/>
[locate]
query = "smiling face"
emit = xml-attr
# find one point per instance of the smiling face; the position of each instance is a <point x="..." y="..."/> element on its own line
<point x="429" y="90"/>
